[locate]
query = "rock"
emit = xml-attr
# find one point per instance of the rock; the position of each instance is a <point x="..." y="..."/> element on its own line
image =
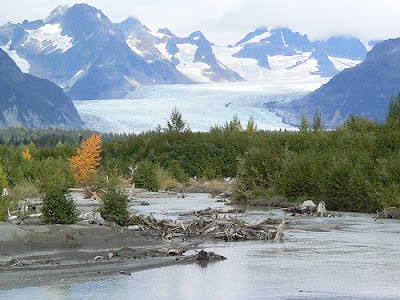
<point x="311" y="206"/>
<point x="204" y="256"/>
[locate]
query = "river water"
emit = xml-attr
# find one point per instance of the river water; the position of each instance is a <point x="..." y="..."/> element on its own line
<point x="347" y="257"/>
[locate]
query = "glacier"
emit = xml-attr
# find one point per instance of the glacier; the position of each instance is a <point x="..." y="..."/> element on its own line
<point x="202" y="106"/>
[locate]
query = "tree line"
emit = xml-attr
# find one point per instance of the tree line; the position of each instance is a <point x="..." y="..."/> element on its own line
<point x="355" y="167"/>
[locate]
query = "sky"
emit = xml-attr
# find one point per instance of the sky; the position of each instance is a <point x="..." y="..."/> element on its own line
<point x="227" y="21"/>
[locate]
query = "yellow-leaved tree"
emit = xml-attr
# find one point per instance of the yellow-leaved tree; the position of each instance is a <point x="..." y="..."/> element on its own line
<point x="87" y="158"/>
<point x="26" y="154"/>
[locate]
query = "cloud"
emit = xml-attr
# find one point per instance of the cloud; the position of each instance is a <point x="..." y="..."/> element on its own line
<point x="226" y="21"/>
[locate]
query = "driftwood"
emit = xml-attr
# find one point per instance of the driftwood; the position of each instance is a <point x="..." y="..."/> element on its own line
<point x="131" y="194"/>
<point x="228" y="229"/>
<point x="214" y="212"/>
<point x="321" y="210"/>
<point x="309" y="208"/>
<point x="388" y="213"/>
<point x="27" y="209"/>
<point x="92" y="218"/>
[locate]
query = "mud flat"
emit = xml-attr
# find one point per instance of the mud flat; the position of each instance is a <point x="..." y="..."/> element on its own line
<point x="35" y="254"/>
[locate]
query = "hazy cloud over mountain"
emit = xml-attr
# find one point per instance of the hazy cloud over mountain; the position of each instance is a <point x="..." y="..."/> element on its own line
<point x="224" y="21"/>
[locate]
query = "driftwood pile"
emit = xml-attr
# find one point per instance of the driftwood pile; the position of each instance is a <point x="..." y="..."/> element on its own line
<point x="309" y="208"/>
<point x="388" y="213"/>
<point x="214" y="212"/>
<point x="208" y="223"/>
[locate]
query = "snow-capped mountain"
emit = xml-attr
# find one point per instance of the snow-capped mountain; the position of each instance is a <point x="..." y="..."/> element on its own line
<point x="279" y="54"/>
<point x="193" y="56"/>
<point x="82" y="51"/>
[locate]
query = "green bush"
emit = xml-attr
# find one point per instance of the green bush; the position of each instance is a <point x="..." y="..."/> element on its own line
<point x="178" y="173"/>
<point x="146" y="176"/>
<point x="58" y="206"/>
<point x="114" y="204"/>
<point x="52" y="172"/>
<point x="4" y="202"/>
<point x="165" y="180"/>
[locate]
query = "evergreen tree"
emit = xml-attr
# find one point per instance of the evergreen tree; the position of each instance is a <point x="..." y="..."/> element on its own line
<point x="317" y="123"/>
<point x="394" y="109"/>
<point x="58" y="206"/>
<point x="234" y="125"/>
<point x="251" y="125"/>
<point x="176" y="123"/>
<point x="303" y="127"/>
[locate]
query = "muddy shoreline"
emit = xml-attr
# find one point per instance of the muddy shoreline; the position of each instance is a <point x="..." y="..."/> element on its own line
<point x="37" y="255"/>
<point x="33" y="254"/>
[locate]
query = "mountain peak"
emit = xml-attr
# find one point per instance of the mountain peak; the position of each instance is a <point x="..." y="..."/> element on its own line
<point x="166" y="31"/>
<point x="82" y="20"/>
<point x="343" y="46"/>
<point x="56" y="14"/>
<point x="197" y="35"/>
<point x="131" y="25"/>
<point x="251" y="35"/>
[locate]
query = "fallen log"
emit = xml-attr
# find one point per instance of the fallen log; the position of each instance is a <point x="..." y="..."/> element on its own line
<point x="388" y="213"/>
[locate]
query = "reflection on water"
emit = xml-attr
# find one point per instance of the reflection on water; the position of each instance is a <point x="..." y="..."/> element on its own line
<point x="357" y="259"/>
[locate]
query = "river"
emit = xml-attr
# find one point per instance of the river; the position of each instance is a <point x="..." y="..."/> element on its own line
<point x="349" y="256"/>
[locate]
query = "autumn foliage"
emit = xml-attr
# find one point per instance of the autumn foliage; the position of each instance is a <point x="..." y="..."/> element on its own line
<point x="87" y="158"/>
<point x="26" y="155"/>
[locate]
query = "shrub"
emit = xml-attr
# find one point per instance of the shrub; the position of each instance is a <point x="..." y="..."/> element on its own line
<point x="115" y="204"/>
<point x="146" y="176"/>
<point x="58" y="207"/>
<point x="178" y="173"/>
<point x="4" y="202"/>
<point x="53" y="172"/>
<point x="165" y="180"/>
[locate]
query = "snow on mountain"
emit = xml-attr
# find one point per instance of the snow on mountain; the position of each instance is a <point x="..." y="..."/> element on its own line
<point x="279" y="54"/>
<point x="22" y="63"/>
<point x="81" y="50"/>
<point x="192" y="56"/>
<point x="341" y="63"/>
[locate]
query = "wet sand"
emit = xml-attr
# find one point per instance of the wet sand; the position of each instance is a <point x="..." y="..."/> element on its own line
<point x="37" y="255"/>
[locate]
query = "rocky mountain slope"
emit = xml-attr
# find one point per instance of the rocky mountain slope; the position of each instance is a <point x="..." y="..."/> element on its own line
<point x="28" y="101"/>
<point x="363" y="90"/>
<point x="82" y="51"/>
